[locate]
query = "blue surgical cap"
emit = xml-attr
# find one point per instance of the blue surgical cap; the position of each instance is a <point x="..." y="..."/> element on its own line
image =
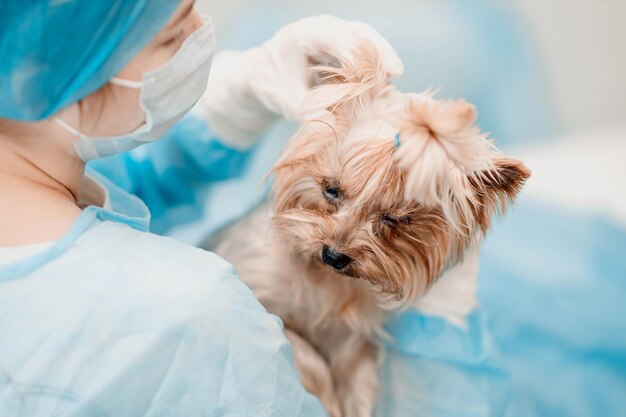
<point x="55" y="52"/>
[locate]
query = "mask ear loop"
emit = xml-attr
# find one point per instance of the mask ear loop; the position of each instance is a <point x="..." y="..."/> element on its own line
<point x="115" y="80"/>
<point x="69" y="128"/>
<point x="126" y="83"/>
<point x="84" y="146"/>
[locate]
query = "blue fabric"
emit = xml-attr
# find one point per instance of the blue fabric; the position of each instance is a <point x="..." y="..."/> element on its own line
<point x="114" y="321"/>
<point x="552" y="284"/>
<point x="436" y="369"/>
<point x="173" y="175"/>
<point x="553" y="281"/>
<point x="56" y="52"/>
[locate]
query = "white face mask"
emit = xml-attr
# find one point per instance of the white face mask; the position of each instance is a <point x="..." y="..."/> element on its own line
<point x="167" y="94"/>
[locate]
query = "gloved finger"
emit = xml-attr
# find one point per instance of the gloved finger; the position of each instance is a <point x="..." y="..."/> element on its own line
<point x="327" y="34"/>
<point x="390" y="58"/>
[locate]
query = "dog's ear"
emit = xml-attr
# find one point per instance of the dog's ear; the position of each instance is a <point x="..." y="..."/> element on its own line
<point x="341" y="83"/>
<point x="449" y="163"/>
<point x="493" y="190"/>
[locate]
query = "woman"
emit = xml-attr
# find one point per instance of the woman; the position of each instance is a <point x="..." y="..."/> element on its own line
<point x="100" y="317"/>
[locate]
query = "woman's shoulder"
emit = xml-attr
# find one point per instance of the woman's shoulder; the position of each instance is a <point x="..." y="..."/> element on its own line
<point x="155" y="280"/>
<point x="156" y="314"/>
<point x="139" y="268"/>
<point x="124" y="246"/>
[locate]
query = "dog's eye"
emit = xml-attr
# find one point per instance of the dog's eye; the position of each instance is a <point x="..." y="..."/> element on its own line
<point x="331" y="193"/>
<point x="392" y="221"/>
<point x="389" y="220"/>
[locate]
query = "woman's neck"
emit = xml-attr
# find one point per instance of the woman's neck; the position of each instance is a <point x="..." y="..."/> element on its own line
<point x="40" y="182"/>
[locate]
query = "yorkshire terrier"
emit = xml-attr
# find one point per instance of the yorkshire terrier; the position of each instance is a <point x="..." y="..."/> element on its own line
<point x="376" y="198"/>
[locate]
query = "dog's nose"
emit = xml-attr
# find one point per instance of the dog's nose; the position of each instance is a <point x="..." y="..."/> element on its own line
<point x="335" y="259"/>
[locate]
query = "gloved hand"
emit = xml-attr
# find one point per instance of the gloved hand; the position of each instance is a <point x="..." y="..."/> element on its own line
<point x="249" y="90"/>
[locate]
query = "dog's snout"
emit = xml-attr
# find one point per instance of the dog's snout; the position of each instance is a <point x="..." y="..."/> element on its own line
<point x="335" y="259"/>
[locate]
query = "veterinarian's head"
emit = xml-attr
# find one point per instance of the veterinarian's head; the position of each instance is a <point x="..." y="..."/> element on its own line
<point x="81" y="80"/>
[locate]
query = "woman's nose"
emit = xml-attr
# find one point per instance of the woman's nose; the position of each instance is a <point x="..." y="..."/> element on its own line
<point x="195" y="20"/>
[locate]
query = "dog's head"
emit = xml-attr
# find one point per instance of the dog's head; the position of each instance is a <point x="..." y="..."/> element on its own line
<point x="387" y="187"/>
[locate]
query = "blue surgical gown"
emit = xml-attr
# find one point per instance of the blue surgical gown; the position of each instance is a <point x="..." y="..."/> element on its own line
<point x="113" y="321"/>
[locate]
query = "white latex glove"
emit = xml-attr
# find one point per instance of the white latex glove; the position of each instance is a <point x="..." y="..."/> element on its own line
<point x="249" y="90"/>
